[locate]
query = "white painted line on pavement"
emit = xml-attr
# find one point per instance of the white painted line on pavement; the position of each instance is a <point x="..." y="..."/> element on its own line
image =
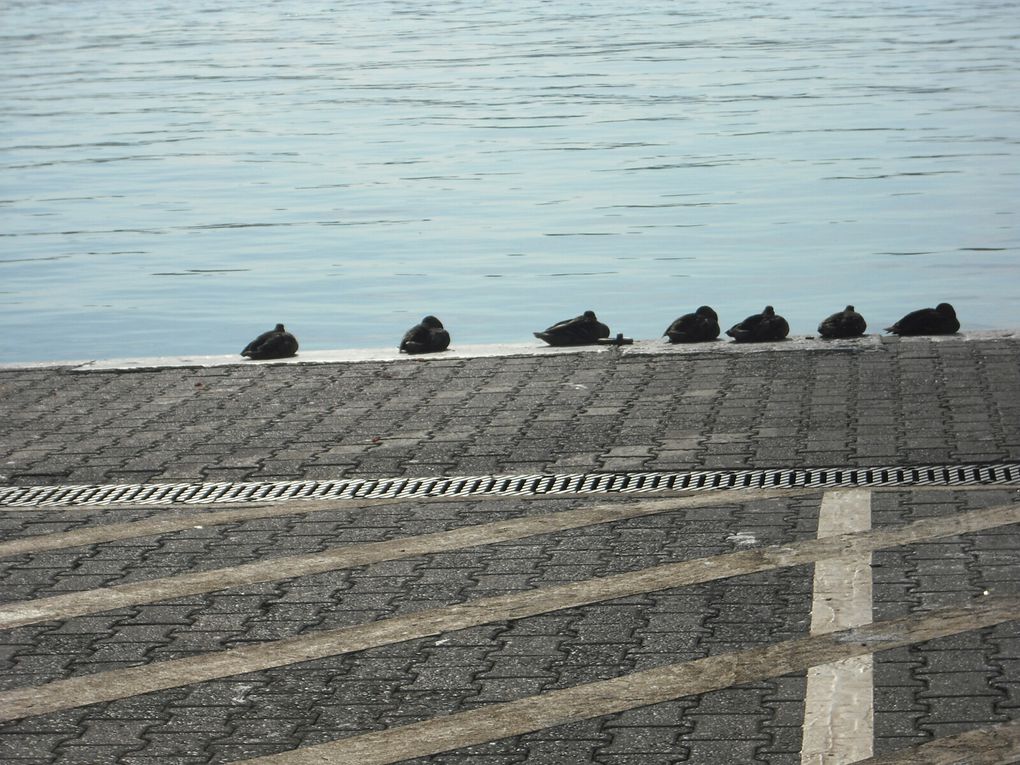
<point x="838" y="705"/>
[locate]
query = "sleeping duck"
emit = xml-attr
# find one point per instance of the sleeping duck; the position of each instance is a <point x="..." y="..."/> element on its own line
<point x="760" y="328"/>
<point x="427" y="337"/>
<point x="940" y="320"/>
<point x="585" y="329"/>
<point x="697" y="327"/>
<point x="846" y="323"/>
<point x="277" y="343"/>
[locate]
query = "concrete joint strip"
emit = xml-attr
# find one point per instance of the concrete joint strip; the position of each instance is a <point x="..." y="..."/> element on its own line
<point x="111" y="532"/>
<point x="287" y="567"/>
<point x="994" y="745"/>
<point x="116" y="684"/>
<point x="559" y="707"/>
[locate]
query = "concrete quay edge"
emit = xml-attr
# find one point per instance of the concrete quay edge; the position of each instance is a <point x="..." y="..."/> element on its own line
<point x="496" y="350"/>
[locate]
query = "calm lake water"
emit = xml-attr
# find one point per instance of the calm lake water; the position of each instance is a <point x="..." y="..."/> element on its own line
<point x="179" y="177"/>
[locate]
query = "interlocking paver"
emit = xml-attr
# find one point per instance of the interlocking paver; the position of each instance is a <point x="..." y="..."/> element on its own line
<point x="895" y="403"/>
<point x="927" y="401"/>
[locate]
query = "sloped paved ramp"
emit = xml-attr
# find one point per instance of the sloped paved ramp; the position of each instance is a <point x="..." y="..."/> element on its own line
<point x="786" y="626"/>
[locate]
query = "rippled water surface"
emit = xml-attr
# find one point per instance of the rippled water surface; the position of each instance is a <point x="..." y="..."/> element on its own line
<point x="179" y="177"/>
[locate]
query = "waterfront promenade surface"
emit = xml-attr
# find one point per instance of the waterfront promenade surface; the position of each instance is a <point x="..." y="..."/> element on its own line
<point x="781" y="624"/>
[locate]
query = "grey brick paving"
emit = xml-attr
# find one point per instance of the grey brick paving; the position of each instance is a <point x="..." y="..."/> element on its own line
<point x="226" y="618"/>
<point x="907" y="402"/>
<point x="897" y="403"/>
<point x="943" y="686"/>
<point x="397" y="684"/>
<point x="922" y="691"/>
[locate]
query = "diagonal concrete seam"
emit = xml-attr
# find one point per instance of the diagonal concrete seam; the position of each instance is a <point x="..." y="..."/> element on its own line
<point x="90" y="689"/>
<point x="639" y="689"/>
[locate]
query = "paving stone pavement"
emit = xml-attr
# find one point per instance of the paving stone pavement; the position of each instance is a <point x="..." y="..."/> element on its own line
<point x="908" y="402"/>
<point x="917" y="402"/>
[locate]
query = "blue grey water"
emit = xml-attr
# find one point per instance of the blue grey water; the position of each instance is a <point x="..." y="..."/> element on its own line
<point x="178" y="177"/>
